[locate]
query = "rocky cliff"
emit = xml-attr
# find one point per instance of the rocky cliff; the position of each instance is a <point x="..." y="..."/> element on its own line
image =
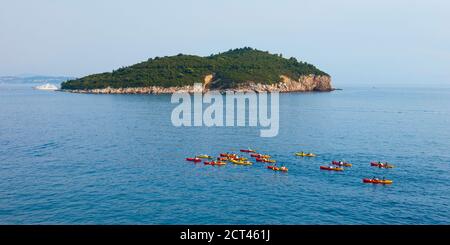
<point x="319" y="83"/>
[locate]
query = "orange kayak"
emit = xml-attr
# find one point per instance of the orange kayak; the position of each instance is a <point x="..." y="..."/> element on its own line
<point x="330" y="168"/>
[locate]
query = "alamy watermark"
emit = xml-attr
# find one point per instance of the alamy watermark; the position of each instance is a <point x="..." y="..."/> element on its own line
<point x="191" y="112"/>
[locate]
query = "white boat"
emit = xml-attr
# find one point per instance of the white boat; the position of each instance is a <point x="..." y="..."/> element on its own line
<point x="47" y="86"/>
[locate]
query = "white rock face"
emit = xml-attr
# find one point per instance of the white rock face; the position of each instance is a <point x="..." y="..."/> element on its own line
<point x="287" y="84"/>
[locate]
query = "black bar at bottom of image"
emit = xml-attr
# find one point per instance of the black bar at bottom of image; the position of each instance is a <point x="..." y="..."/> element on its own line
<point x="220" y="234"/>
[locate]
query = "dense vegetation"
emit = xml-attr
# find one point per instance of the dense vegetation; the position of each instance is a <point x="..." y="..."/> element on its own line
<point x="229" y="68"/>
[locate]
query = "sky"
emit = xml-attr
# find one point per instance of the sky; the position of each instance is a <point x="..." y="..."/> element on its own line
<point x="372" y="42"/>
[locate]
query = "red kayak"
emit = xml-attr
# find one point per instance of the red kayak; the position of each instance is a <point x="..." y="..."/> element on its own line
<point x="219" y="163"/>
<point x="193" y="159"/>
<point x="256" y="155"/>
<point x="275" y="168"/>
<point x="378" y="181"/>
<point x="381" y="165"/>
<point x="345" y="164"/>
<point x="248" y="151"/>
<point x="222" y="158"/>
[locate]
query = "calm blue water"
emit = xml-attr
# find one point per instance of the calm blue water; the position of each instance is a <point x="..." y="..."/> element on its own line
<point x="117" y="159"/>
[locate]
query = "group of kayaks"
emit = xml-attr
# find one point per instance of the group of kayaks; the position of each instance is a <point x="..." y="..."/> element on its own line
<point x="234" y="158"/>
<point x="375" y="180"/>
<point x="264" y="158"/>
<point x="339" y="166"/>
<point x="223" y="158"/>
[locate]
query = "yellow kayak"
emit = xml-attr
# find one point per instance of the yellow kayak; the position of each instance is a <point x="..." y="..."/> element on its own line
<point x="241" y="162"/>
<point x="378" y="181"/>
<point x="238" y="158"/>
<point x="205" y="156"/>
<point x="302" y="154"/>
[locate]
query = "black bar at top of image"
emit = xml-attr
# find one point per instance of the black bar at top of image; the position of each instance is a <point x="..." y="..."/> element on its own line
<point x="173" y="233"/>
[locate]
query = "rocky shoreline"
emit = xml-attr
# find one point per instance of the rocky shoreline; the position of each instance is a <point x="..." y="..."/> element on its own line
<point x="310" y="83"/>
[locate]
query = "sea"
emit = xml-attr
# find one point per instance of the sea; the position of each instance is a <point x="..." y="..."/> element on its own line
<point x="117" y="159"/>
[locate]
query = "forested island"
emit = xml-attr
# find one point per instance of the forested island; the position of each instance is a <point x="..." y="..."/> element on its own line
<point x="241" y="69"/>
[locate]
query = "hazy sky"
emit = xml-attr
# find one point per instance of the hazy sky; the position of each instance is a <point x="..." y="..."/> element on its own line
<point x="367" y="42"/>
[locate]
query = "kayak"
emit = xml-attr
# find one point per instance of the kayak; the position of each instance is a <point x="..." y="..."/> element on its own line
<point x="260" y="156"/>
<point x="241" y="162"/>
<point x="218" y="163"/>
<point x="381" y="165"/>
<point x="345" y="164"/>
<point x="228" y="155"/>
<point x="265" y="160"/>
<point x="222" y="158"/>
<point x="238" y="158"/>
<point x="204" y="156"/>
<point x="193" y="159"/>
<point x="331" y="168"/>
<point x="247" y="150"/>
<point x="275" y="168"/>
<point x="302" y="154"/>
<point x="378" y="181"/>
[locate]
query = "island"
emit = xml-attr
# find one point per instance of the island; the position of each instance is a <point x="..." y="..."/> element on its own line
<point x="243" y="69"/>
